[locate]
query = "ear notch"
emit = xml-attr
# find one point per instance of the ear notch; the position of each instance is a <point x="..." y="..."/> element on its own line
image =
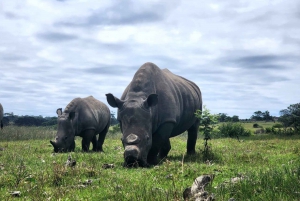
<point x="71" y="115"/>
<point x="151" y="101"/>
<point x="113" y="101"/>
<point x="59" y="111"/>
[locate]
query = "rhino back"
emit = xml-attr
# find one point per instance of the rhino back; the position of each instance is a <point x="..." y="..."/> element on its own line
<point x="178" y="97"/>
<point x="90" y="113"/>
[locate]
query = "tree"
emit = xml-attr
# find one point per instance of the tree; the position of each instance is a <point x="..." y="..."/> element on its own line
<point x="207" y="121"/>
<point x="235" y="118"/>
<point x="266" y="116"/>
<point x="113" y="120"/>
<point x="258" y="116"/>
<point x="290" y="117"/>
<point x="222" y="117"/>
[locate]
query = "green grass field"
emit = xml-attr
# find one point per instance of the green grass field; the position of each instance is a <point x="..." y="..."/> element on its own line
<point x="270" y="165"/>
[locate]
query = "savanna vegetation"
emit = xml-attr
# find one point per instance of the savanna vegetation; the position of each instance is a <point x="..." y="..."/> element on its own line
<point x="269" y="165"/>
<point x="249" y="160"/>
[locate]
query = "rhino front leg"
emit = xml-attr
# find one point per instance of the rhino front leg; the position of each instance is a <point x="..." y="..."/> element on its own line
<point x="87" y="137"/>
<point x="166" y="147"/>
<point x="192" y="138"/>
<point x="160" y="143"/>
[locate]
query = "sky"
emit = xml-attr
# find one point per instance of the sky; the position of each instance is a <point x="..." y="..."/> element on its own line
<point x="243" y="55"/>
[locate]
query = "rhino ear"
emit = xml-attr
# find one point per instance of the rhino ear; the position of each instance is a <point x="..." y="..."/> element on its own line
<point x="151" y="100"/>
<point x="71" y="115"/>
<point x="113" y="101"/>
<point x="59" y="111"/>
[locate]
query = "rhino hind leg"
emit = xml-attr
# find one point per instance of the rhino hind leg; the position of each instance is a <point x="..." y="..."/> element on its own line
<point x="101" y="138"/>
<point x="95" y="143"/>
<point x="192" y="138"/>
<point x="1" y="124"/>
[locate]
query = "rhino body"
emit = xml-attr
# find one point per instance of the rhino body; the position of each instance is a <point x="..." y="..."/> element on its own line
<point x="1" y="116"/>
<point x="156" y="106"/>
<point x="84" y="117"/>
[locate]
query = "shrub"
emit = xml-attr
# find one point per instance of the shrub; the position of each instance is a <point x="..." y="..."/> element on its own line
<point x="255" y="125"/>
<point x="268" y="130"/>
<point x="230" y="129"/>
<point x="277" y="125"/>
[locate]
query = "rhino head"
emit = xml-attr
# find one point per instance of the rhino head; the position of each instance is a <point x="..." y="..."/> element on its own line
<point x="136" y="125"/>
<point x="65" y="136"/>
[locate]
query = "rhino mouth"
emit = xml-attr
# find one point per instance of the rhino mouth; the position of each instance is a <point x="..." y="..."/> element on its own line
<point x="58" y="149"/>
<point x="133" y="162"/>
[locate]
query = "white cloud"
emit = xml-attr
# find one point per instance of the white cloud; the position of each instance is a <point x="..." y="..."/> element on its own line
<point x="243" y="55"/>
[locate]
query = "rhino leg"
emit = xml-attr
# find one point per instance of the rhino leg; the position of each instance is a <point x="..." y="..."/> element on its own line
<point x="94" y="142"/>
<point x="192" y="137"/>
<point x="87" y="137"/>
<point x="160" y="143"/>
<point x="72" y="147"/>
<point x="166" y="147"/>
<point x="102" y="138"/>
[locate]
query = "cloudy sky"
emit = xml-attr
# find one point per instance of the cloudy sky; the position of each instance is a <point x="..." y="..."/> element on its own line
<point x="244" y="55"/>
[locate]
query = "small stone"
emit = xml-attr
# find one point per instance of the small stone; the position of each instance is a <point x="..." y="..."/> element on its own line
<point x="107" y="166"/>
<point x="15" y="193"/>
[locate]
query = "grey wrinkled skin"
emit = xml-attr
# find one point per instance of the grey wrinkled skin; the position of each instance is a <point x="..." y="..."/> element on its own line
<point x="1" y="116"/>
<point x="84" y="117"/>
<point x="155" y="106"/>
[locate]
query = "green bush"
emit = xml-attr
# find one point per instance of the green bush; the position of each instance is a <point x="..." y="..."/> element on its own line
<point x="230" y="129"/>
<point x="255" y="125"/>
<point x="277" y="125"/>
<point x="268" y="130"/>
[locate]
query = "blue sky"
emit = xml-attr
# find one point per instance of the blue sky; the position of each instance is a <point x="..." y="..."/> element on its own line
<point x="244" y="55"/>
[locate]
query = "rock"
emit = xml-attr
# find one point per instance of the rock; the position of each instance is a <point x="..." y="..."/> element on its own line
<point x="197" y="192"/>
<point x="15" y="193"/>
<point x="107" y="166"/>
<point x="70" y="162"/>
<point x="200" y="183"/>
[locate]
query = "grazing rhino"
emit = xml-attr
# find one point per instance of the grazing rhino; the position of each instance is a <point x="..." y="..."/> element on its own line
<point x="84" y="117"/>
<point x="1" y="116"/>
<point x="155" y="106"/>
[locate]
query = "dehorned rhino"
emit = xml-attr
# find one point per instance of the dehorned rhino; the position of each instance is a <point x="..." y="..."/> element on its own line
<point x="84" y="117"/>
<point x="1" y="115"/>
<point x="155" y="106"/>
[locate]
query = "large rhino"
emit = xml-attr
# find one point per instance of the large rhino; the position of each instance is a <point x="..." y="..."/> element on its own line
<point x="155" y="106"/>
<point x="1" y="116"/>
<point x="84" y="117"/>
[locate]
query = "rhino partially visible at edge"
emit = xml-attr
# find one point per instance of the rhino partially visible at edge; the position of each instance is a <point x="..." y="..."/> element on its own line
<point x="1" y="116"/>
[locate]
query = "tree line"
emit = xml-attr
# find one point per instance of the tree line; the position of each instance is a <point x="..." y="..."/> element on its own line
<point x="11" y="119"/>
<point x="289" y="117"/>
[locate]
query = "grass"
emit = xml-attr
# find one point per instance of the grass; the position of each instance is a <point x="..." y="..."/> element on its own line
<point x="270" y="165"/>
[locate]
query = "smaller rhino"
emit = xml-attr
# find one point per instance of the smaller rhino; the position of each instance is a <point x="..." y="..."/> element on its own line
<point x="1" y="116"/>
<point x="84" y="117"/>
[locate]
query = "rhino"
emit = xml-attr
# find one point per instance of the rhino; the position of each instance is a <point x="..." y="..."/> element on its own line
<point x="84" y="117"/>
<point x="155" y="106"/>
<point x="1" y="116"/>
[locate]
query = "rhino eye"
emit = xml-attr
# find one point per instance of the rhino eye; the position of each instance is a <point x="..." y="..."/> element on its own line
<point x="66" y="137"/>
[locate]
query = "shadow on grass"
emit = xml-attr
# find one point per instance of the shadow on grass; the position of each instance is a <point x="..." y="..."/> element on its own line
<point x="199" y="157"/>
